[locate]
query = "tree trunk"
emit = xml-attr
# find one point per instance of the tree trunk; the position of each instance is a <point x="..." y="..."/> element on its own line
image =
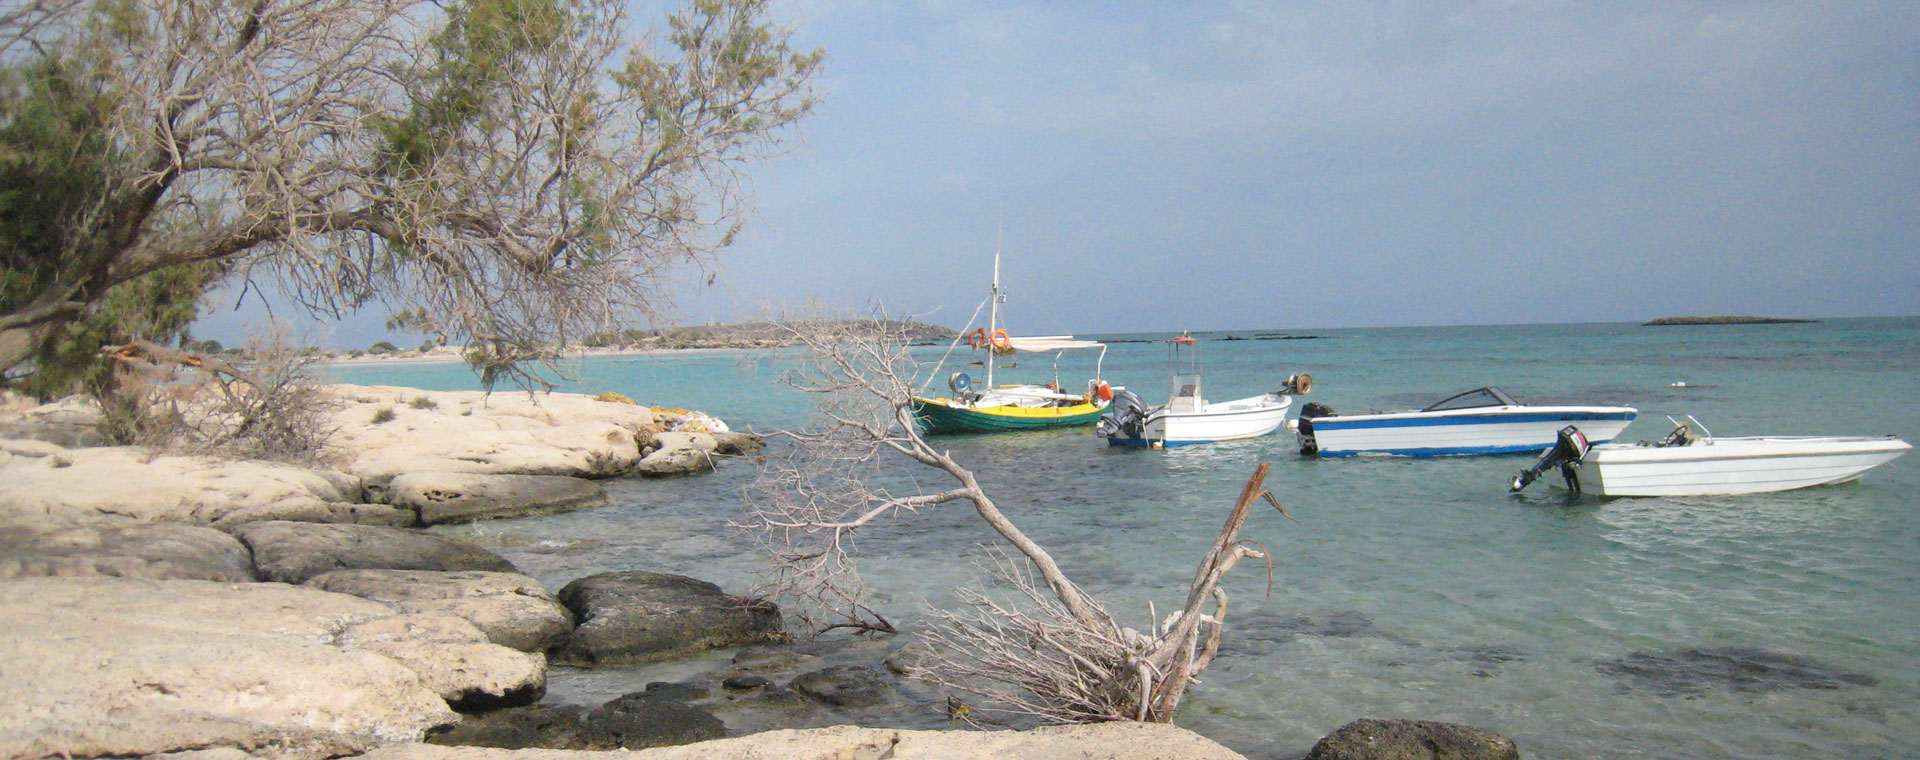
<point x="19" y="344"/>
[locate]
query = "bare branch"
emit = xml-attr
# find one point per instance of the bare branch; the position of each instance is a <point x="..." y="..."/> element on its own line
<point x="1040" y="646"/>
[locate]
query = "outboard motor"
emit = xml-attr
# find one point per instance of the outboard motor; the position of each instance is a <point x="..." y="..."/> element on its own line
<point x="1569" y="447"/>
<point x="1126" y="418"/>
<point x="1309" y="446"/>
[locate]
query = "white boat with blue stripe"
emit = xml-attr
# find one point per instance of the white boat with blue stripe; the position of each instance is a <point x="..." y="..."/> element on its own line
<point x="1479" y="421"/>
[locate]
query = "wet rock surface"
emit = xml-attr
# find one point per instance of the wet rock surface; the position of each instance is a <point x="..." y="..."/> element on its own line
<point x="1742" y="670"/>
<point x="844" y="686"/>
<point x="652" y="718"/>
<point x="639" y="616"/>
<point x="526" y="727"/>
<point x="294" y="552"/>
<point x="1376" y="739"/>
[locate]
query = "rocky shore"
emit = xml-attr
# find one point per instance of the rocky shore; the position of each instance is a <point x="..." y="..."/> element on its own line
<point x="191" y="606"/>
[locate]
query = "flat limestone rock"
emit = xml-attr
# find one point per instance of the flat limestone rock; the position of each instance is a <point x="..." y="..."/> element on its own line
<point x="104" y="666"/>
<point x="470" y="431"/>
<point x="513" y="610"/>
<point x="453" y="497"/>
<point x="73" y="545"/>
<point x="1099" y="741"/>
<point x="39" y="478"/>
<point x="292" y="552"/>
<point x="454" y="659"/>
<point x="638" y="616"/>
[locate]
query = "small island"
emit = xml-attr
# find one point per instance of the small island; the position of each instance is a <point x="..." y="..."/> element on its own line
<point x="1726" y="320"/>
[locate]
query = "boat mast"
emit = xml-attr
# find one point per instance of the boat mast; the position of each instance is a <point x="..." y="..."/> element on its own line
<point x="994" y="300"/>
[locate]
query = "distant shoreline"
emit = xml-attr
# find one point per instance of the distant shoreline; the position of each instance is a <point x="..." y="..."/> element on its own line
<point x="1726" y="320"/>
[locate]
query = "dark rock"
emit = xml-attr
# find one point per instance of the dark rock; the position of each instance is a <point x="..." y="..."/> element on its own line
<point x="772" y="659"/>
<point x="1486" y="659"/>
<point x="32" y="546"/>
<point x="291" y="552"/>
<point x="683" y="692"/>
<point x="638" y="616"/>
<point x="641" y="720"/>
<point x="745" y="682"/>
<point x="1743" y="670"/>
<point x="458" y="497"/>
<point x="738" y="444"/>
<point x="532" y="726"/>
<point x="844" y="686"/>
<point x="1377" y="739"/>
<point x="905" y="659"/>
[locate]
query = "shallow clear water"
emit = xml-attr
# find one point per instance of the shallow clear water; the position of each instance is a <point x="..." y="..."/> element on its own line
<point x="1770" y="626"/>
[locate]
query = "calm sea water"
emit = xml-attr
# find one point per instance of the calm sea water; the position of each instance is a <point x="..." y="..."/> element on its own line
<point x="1769" y="626"/>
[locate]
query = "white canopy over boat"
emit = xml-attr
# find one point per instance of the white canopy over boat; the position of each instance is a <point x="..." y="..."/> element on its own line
<point x="1050" y="343"/>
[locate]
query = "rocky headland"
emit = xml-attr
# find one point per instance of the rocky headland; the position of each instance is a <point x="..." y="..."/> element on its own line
<point x="1725" y="320"/>
<point x="191" y="606"/>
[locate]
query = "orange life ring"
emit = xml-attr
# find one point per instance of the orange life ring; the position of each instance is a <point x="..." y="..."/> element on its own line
<point x="1001" y="340"/>
<point x="1103" y="390"/>
<point x="977" y="338"/>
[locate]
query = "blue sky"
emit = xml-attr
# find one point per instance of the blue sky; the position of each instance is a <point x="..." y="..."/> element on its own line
<point x="1161" y="166"/>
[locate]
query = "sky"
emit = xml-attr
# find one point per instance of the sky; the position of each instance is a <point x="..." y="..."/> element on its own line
<point x="1167" y="166"/>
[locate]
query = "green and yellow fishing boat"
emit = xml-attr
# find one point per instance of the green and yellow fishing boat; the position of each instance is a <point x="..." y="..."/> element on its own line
<point x="993" y="408"/>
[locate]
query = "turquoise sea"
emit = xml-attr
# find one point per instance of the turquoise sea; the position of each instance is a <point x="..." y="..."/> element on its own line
<point x="1771" y="626"/>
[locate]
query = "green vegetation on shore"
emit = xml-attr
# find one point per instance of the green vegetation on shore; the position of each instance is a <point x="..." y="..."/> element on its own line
<point x="1726" y="320"/>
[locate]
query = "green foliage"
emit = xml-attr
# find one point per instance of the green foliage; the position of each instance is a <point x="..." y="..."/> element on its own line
<point x="157" y="308"/>
<point x="384" y="416"/>
<point x="54" y="155"/>
<point x="54" y="161"/>
<point x="208" y="346"/>
<point x="382" y="348"/>
<point x="422" y="402"/>
<point x="484" y="43"/>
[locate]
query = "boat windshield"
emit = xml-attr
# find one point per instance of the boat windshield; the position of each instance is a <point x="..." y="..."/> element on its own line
<point x="1474" y="399"/>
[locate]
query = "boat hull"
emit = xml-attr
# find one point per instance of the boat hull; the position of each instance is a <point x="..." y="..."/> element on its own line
<point x="1227" y="421"/>
<point x="1498" y="430"/>
<point x="939" y="416"/>
<point x="1720" y="466"/>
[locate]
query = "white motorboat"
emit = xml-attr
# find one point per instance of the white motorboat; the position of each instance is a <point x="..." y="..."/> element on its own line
<point x="1686" y="464"/>
<point x="1479" y="421"/>
<point x="1187" y="417"/>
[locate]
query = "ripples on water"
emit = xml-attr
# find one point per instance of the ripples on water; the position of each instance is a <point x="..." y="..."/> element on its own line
<point x="1767" y="626"/>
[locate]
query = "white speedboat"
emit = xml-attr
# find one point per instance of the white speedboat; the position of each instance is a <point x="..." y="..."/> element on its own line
<point x="1188" y="418"/>
<point x="1686" y="464"/>
<point x="1479" y="421"/>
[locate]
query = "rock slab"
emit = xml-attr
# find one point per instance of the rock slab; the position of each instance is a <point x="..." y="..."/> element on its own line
<point x="639" y="616"/>
<point x="1101" y="741"/>
<point x="49" y="545"/>
<point x="454" y="659"/>
<point x="1378" y="739"/>
<point x="105" y="666"/>
<point x="452" y="497"/>
<point x="293" y="552"/>
<point x="513" y="610"/>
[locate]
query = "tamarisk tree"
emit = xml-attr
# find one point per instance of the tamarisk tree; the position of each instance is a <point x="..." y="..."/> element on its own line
<point x="508" y="173"/>
<point x="1040" y="647"/>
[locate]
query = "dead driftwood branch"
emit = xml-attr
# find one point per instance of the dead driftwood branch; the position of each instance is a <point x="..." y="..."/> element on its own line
<point x="1041" y="646"/>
